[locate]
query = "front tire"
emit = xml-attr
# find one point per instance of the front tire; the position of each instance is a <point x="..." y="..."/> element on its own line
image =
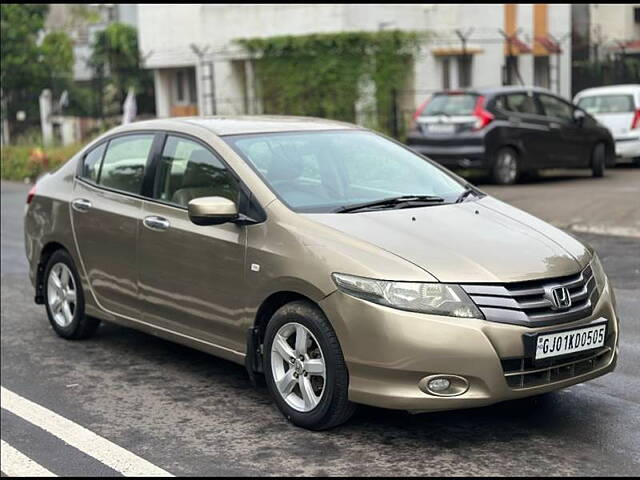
<point x="64" y="299"/>
<point x="305" y="370"/>
<point x="505" y="169"/>
<point x="598" y="160"/>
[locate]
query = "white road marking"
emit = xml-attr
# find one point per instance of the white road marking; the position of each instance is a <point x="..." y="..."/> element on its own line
<point x="110" y="454"/>
<point x="17" y="464"/>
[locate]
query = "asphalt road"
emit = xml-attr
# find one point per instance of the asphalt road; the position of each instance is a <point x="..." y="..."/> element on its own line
<point x="193" y="414"/>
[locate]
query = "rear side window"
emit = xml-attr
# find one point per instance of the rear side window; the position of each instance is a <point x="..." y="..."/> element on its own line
<point x="461" y="104"/>
<point x="607" y="104"/>
<point x="125" y="161"/>
<point x="518" y="103"/>
<point x="188" y="170"/>
<point x="91" y="163"/>
<point x="554" y="107"/>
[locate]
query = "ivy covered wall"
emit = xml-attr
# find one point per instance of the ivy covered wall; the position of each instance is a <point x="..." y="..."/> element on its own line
<point x="323" y="75"/>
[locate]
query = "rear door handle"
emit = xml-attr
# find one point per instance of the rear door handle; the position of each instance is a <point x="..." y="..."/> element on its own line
<point x="555" y="126"/>
<point x="81" y="205"/>
<point x="157" y="224"/>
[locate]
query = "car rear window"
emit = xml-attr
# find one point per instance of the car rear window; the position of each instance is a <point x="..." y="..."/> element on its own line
<point x="595" y="104"/>
<point x="451" y="104"/>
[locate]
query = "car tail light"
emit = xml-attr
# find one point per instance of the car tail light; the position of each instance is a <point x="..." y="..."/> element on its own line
<point x="483" y="116"/>
<point x="418" y="112"/>
<point x="31" y="194"/>
<point x="635" y="123"/>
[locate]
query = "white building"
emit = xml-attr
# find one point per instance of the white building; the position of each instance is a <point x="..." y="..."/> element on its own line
<point x="199" y="70"/>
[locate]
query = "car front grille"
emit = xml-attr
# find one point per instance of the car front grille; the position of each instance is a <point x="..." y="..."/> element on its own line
<point x="528" y="303"/>
<point x="523" y="373"/>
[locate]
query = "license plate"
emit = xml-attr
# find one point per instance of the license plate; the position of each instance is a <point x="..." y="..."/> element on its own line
<point x="572" y="341"/>
<point x="441" y="128"/>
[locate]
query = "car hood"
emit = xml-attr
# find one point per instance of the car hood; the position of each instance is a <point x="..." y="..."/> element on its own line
<point x="477" y="241"/>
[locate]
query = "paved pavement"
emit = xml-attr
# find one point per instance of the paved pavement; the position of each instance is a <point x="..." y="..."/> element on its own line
<point x="574" y="200"/>
<point x="125" y="402"/>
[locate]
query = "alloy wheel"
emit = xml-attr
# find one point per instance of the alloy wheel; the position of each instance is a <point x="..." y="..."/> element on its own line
<point x="61" y="294"/>
<point x="298" y="367"/>
<point x="507" y="166"/>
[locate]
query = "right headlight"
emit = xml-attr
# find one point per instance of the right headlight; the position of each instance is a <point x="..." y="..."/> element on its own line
<point x="598" y="273"/>
<point x="433" y="298"/>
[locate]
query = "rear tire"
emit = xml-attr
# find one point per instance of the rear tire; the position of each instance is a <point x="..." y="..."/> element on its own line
<point x="286" y="378"/>
<point x="64" y="299"/>
<point x="505" y="169"/>
<point x="598" y="160"/>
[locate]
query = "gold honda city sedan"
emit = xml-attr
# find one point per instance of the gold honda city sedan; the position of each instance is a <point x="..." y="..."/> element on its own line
<point x="333" y="261"/>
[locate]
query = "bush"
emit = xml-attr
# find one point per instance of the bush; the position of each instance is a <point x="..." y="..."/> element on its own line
<point x="28" y="161"/>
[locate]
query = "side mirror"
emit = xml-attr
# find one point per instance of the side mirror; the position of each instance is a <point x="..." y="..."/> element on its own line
<point x="579" y="116"/>
<point x="212" y="210"/>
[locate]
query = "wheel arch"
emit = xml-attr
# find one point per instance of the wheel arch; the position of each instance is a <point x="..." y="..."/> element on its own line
<point x="47" y="250"/>
<point x="255" y="334"/>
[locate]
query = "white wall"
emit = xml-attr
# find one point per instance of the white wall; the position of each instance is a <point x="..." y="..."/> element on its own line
<point x="166" y="32"/>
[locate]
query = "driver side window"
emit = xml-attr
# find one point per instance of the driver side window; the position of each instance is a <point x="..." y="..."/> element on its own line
<point x="188" y="170"/>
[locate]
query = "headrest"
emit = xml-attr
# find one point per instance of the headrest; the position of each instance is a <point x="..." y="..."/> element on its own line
<point x="199" y="169"/>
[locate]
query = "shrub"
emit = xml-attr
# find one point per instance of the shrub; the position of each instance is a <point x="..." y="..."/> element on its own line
<point x="28" y="161"/>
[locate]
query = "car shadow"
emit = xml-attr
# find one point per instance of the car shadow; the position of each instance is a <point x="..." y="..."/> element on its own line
<point x="498" y="423"/>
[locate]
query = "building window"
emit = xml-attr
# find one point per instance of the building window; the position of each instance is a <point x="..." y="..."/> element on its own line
<point x="636" y="14"/>
<point x="186" y="90"/>
<point x="446" y="74"/>
<point x="510" y="75"/>
<point x="180" y="86"/>
<point x="541" y="72"/>
<point x="464" y="71"/>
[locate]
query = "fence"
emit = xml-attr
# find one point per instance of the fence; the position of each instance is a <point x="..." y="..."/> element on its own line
<point x="618" y="70"/>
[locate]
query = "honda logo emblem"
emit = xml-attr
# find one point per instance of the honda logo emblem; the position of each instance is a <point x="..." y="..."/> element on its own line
<point x="559" y="297"/>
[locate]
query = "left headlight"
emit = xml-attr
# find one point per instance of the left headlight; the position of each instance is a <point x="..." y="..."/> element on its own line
<point x="433" y="298"/>
<point x="598" y="273"/>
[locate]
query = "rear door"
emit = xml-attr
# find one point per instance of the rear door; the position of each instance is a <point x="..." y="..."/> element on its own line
<point x="572" y="142"/>
<point x="106" y="208"/>
<point x="191" y="277"/>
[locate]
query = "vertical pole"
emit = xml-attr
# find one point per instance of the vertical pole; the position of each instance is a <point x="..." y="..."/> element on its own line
<point x="395" y="128"/>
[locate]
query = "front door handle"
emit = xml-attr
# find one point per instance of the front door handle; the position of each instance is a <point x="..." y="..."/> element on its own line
<point x="157" y="224"/>
<point x="81" y="205"/>
<point x="555" y="126"/>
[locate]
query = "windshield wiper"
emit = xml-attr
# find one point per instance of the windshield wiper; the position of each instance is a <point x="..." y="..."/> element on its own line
<point x="392" y="202"/>
<point x="469" y="190"/>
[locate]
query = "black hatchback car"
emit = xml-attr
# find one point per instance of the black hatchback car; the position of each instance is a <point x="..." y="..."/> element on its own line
<point x="509" y="131"/>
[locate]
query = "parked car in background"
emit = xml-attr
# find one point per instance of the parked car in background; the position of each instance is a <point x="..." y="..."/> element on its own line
<point x="617" y="108"/>
<point x="509" y="131"/>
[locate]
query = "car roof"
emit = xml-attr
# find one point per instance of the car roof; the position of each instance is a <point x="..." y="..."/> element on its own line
<point x="490" y="91"/>
<point x="247" y="124"/>
<point x="630" y="88"/>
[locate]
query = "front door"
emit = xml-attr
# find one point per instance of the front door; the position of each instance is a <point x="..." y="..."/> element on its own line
<point x="106" y="207"/>
<point x="568" y="137"/>
<point x="191" y="277"/>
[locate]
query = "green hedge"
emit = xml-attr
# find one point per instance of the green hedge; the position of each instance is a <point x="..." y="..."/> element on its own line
<point x="20" y="162"/>
<point x="320" y="74"/>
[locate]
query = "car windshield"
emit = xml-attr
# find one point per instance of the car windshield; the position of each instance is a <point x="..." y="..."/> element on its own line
<point x="596" y="104"/>
<point x="451" y="104"/>
<point x="329" y="171"/>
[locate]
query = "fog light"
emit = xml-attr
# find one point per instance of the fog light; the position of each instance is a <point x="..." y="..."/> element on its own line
<point x="444" y="385"/>
<point x="439" y="385"/>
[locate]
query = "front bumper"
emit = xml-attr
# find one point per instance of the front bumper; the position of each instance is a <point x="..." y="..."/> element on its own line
<point x="389" y="351"/>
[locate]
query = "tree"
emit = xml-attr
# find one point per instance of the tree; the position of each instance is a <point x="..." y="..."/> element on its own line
<point x="57" y="60"/>
<point x="116" y="61"/>
<point x="22" y="74"/>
